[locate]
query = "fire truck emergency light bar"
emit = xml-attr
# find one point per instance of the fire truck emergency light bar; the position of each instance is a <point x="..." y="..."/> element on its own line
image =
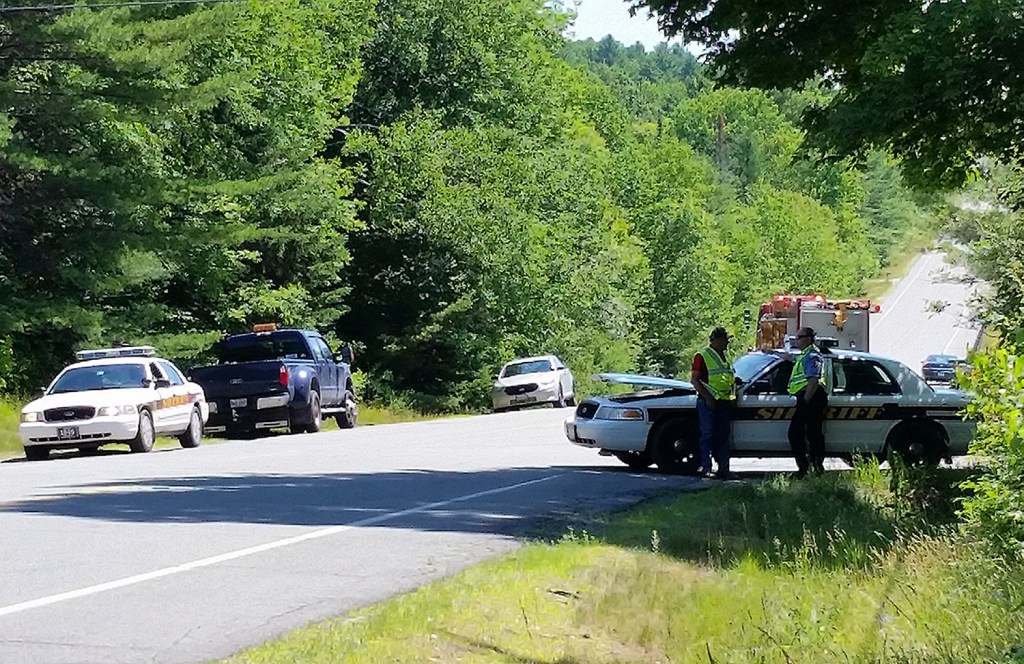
<point x="126" y="351"/>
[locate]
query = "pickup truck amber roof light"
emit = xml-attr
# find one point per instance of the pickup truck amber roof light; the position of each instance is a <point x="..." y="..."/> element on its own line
<point x="124" y="351"/>
<point x="264" y="327"/>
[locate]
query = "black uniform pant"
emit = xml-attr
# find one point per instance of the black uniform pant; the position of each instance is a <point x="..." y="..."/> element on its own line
<point x="806" y="431"/>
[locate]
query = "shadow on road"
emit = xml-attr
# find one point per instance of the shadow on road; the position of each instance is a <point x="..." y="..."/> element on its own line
<point x="504" y="501"/>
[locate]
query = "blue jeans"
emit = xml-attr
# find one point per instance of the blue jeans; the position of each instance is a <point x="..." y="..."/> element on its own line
<point x="715" y="428"/>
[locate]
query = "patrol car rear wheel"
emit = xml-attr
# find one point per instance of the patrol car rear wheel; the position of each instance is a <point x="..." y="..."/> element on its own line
<point x="919" y="443"/>
<point x="143" y="441"/>
<point x="193" y="435"/>
<point x="676" y="446"/>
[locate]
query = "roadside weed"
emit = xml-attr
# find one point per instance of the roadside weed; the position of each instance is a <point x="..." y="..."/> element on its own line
<point x="835" y="569"/>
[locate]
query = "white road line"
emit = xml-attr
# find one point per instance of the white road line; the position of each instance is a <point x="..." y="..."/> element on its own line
<point x="252" y="550"/>
<point x="909" y="281"/>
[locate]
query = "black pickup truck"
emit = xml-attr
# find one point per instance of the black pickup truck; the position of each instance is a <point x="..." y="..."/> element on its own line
<point x="276" y="379"/>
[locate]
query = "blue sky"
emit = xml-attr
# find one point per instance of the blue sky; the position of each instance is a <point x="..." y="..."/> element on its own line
<point x="597" y="18"/>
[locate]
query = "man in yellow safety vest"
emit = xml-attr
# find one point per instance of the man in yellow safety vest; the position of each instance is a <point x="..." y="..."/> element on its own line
<point x="713" y="378"/>
<point x="807" y="382"/>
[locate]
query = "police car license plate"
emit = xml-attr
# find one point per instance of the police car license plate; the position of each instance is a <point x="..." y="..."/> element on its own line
<point x="238" y="403"/>
<point x="68" y="433"/>
<point x="523" y="399"/>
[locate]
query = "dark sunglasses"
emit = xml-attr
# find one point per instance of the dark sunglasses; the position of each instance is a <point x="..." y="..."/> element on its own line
<point x="803" y="336"/>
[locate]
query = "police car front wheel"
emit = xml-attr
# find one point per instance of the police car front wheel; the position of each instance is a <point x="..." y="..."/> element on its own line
<point x="675" y="446"/>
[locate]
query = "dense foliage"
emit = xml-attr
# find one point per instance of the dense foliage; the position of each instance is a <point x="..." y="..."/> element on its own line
<point x="445" y="185"/>
<point x="938" y="83"/>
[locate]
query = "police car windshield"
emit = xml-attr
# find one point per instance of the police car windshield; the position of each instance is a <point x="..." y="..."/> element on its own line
<point x="751" y="364"/>
<point x="102" y="377"/>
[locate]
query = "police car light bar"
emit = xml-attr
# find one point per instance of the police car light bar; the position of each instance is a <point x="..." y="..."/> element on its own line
<point x="125" y="351"/>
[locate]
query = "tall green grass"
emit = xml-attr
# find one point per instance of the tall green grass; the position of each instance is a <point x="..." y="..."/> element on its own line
<point x="850" y="567"/>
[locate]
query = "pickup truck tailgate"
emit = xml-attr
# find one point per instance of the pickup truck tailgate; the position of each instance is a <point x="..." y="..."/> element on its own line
<point x="245" y="379"/>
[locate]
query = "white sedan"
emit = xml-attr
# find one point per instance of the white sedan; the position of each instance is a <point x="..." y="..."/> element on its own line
<point x="876" y="406"/>
<point x="115" y="395"/>
<point x="533" y="380"/>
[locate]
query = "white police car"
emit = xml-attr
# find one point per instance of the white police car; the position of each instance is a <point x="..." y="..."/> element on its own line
<point x="876" y="406"/>
<point x="114" y="395"/>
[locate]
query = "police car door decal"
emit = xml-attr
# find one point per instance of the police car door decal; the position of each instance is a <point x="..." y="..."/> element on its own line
<point x="764" y="408"/>
<point x="864" y="404"/>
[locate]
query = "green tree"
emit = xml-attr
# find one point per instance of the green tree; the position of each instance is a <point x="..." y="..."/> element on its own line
<point x="936" y="83"/>
<point x="163" y="174"/>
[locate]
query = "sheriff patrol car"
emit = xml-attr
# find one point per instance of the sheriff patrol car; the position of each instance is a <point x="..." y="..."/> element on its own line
<point x="876" y="406"/>
<point x="114" y="395"/>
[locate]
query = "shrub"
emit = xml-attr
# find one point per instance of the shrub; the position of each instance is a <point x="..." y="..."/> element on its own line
<point x="994" y="510"/>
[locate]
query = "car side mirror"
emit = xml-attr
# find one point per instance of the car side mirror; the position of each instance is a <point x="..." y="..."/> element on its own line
<point x="161" y="383"/>
<point x="494" y="377"/>
<point x="344" y="354"/>
<point x="40" y="391"/>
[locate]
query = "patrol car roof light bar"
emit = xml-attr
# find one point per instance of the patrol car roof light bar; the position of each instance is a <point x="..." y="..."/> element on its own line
<point x="124" y="351"/>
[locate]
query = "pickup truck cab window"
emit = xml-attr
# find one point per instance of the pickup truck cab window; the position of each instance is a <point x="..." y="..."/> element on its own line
<point x="258" y="347"/>
<point x="320" y="346"/>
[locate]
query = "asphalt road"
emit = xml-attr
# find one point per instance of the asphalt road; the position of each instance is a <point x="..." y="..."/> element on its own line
<point x="929" y="311"/>
<point x="191" y="555"/>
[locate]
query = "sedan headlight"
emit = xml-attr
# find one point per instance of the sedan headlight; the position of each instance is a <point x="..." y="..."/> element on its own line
<point x="31" y="417"/>
<point x="607" y="413"/>
<point x="112" y="411"/>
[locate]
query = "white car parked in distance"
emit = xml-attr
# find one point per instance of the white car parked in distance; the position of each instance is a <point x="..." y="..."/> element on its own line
<point x="533" y="380"/>
<point x="114" y="395"/>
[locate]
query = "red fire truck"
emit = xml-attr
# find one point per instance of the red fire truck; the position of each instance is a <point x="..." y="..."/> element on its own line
<point x="837" y="323"/>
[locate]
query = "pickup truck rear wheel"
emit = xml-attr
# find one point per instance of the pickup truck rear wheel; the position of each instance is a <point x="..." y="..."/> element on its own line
<point x="193" y="435"/>
<point x="143" y="441"/>
<point x="675" y="446"/>
<point x="347" y="418"/>
<point x="315" y="417"/>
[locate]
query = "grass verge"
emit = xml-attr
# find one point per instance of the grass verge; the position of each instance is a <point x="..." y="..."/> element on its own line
<point x="850" y="567"/>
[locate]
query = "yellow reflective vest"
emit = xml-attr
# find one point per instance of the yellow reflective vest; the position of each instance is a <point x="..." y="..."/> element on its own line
<point x="720" y="374"/>
<point x="797" y="379"/>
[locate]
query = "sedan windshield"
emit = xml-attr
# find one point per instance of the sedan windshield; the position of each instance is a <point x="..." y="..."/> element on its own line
<point x="533" y="366"/>
<point x="102" y="377"/>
